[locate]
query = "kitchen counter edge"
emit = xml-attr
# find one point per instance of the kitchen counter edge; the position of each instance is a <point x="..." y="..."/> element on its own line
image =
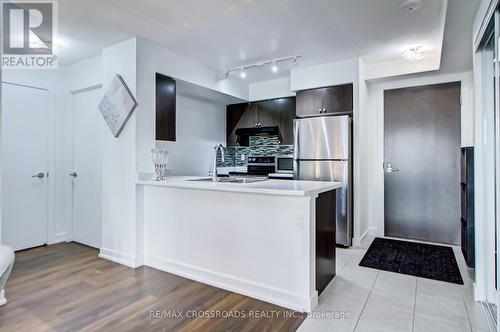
<point x="269" y="187"/>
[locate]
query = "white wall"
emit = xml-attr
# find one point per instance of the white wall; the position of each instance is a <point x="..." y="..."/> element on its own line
<point x="119" y="236"/>
<point x="84" y="74"/>
<point x="201" y="124"/>
<point x="326" y="74"/>
<point x="363" y="155"/>
<point x="271" y="89"/>
<point x="372" y="138"/>
<point x="153" y="59"/>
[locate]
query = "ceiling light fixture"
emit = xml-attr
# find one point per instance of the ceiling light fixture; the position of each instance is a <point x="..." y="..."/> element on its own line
<point x="414" y="53"/>
<point x="274" y="65"/>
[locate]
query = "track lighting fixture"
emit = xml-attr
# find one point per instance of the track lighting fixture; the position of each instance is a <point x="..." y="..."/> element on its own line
<point x="273" y="63"/>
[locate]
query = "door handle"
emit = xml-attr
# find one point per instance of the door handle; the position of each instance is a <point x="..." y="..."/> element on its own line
<point x="39" y="175"/>
<point x="388" y="168"/>
<point x="74" y="174"/>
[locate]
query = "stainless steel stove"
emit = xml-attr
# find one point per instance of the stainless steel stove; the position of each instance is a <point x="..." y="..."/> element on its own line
<point x="261" y="165"/>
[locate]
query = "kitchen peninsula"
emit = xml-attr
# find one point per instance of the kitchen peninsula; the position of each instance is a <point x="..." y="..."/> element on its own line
<point x="272" y="240"/>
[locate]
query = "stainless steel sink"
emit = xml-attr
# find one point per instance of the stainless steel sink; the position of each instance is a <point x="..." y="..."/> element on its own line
<point x="231" y="180"/>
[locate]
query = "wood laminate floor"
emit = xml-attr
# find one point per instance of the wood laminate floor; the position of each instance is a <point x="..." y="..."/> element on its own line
<point x="66" y="287"/>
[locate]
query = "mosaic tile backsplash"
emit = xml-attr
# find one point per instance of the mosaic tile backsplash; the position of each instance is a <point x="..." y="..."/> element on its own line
<point x="259" y="146"/>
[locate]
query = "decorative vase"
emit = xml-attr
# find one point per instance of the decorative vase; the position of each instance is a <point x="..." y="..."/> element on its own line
<point x="160" y="159"/>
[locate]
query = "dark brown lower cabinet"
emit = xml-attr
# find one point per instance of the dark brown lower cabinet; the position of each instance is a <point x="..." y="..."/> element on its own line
<point x="325" y="239"/>
<point x="467" y="198"/>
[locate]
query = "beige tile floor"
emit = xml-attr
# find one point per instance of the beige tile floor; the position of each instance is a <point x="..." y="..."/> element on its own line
<point x="384" y="301"/>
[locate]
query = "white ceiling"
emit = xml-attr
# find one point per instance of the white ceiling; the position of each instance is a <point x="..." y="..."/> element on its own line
<point x="231" y="33"/>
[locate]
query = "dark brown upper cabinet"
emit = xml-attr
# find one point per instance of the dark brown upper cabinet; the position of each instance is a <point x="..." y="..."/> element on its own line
<point x="165" y="108"/>
<point x="287" y="115"/>
<point x="268" y="113"/>
<point x="334" y="99"/>
<point x="310" y="102"/>
<point x="245" y="115"/>
<point x="234" y="114"/>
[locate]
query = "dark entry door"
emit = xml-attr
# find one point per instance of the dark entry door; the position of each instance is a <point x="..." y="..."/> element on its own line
<point x="422" y="163"/>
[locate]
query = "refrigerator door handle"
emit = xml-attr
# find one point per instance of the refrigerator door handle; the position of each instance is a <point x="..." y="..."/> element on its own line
<point x="295" y="139"/>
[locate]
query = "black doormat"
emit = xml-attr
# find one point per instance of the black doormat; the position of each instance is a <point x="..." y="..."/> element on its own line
<point x="416" y="259"/>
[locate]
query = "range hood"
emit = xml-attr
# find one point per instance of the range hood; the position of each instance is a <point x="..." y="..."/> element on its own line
<point x="245" y="133"/>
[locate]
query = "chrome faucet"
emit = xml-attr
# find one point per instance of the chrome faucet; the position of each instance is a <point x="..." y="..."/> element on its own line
<point x="214" y="165"/>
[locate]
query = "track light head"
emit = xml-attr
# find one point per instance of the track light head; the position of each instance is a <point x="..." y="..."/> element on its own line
<point x="274" y="68"/>
<point x="243" y="73"/>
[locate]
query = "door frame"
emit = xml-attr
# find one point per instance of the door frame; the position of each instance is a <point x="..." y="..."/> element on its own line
<point x="383" y="143"/>
<point x="70" y="182"/>
<point x="376" y="212"/>
<point x="26" y="81"/>
<point x="487" y="207"/>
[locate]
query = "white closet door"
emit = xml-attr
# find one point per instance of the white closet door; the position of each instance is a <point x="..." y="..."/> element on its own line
<point x="25" y="137"/>
<point x="87" y="193"/>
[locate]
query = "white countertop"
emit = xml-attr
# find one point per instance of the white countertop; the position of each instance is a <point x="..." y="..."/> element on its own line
<point x="269" y="187"/>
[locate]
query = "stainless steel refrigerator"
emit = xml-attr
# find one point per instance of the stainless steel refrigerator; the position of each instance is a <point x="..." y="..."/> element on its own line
<point x="322" y="152"/>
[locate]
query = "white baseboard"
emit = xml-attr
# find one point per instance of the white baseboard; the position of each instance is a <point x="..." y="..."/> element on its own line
<point x="120" y="258"/>
<point x="259" y="291"/>
<point x="3" y="300"/>
<point x="58" y="238"/>
<point x="364" y="240"/>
